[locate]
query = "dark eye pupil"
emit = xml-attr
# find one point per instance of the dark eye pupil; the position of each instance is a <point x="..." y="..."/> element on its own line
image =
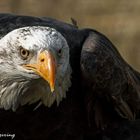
<point x="24" y="52"/>
<point x="59" y="51"/>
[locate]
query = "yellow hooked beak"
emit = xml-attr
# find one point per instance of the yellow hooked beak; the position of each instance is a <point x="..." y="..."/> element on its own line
<point x="45" y="67"/>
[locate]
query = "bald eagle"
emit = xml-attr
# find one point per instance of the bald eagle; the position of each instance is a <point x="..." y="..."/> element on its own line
<point x="61" y="82"/>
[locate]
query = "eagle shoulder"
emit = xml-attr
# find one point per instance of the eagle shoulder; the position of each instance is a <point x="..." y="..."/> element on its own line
<point x="109" y="80"/>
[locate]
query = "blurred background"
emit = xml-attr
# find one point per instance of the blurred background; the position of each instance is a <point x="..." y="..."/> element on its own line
<point x="118" y="20"/>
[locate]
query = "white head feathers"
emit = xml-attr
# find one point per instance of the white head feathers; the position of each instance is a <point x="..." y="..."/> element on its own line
<point x="19" y="86"/>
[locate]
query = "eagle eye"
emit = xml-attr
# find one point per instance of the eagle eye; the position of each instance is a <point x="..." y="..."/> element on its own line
<point x="60" y="52"/>
<point x="24" y="53"/>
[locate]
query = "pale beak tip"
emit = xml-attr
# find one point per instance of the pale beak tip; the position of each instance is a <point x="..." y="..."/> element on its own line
<point x="52" y="90"/>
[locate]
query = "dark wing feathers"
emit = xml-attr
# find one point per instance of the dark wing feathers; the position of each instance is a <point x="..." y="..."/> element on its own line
<point x="111" y="78"/>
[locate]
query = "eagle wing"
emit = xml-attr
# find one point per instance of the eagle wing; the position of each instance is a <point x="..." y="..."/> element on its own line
<point x="111" y="83"/>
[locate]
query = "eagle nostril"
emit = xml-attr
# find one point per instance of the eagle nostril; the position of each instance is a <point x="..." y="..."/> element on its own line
<point x="42" y="60"/>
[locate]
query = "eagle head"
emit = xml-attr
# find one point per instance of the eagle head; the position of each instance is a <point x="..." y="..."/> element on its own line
<point x="34" y="66"/>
